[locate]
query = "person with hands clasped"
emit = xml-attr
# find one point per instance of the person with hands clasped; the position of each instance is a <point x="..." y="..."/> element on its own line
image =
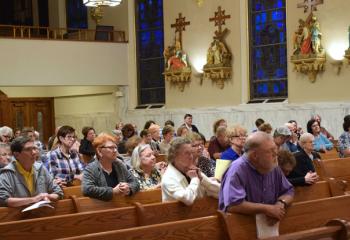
<point x="254" y="184"/>
<point x="304" y="172"/>
<point x="107" y="176"/>
<point x="183" y="180"/>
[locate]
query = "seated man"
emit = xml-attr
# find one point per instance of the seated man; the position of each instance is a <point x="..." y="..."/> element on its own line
<point x="183" y="180"/>
<point x="254" y="184"/>
<point x="24" y="181"/>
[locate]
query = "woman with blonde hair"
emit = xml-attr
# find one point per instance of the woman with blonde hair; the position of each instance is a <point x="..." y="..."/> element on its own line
<point x="237" y="136"/>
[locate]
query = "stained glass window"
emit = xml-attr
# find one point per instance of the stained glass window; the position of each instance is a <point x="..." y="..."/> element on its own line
<point x="268" y="49"/>
<point x="150" y="46"/>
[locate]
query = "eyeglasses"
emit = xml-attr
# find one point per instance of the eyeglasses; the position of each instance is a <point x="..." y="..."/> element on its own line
<point x="6" y="136"/>
<point x="5" y="154"/>
<point x="240" y="136"/>
<point x="112" y="148"/>
<point x="70" y="137"/>
<point x="30" y="149"/>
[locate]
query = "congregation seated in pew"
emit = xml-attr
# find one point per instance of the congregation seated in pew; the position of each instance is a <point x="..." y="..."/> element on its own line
<point x="254" y="183"/>
<point x="344" y="139"/>
<point x="107" y="176"/>
<point x="25" y="181"/>
<point x="183" y="180"/>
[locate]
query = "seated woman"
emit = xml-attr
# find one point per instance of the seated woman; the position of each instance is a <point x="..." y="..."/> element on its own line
<point x="344" y="139"/>
<point x="204" y="163"/>
<point x="286" y="161"/>
<point x="86" y="149"/>
<point x="183" y="180"/>
<point x="236" y="136"/>
<point x="107" y="176"/>
<point x="145" y="169"/>
<point x="304" y="171"/>
<point x="321" y="142"/>
<point x="218" y="144"/>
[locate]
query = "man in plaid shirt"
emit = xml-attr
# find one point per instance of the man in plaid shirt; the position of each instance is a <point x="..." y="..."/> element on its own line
<point x="63" y="163"/>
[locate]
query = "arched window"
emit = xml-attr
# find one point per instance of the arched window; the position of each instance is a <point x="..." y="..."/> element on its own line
<point x="150" y="46"/>
<point x="268" y="49"/>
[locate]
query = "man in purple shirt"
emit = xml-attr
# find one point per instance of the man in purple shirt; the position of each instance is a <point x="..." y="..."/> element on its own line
<point x="254" y="184"/>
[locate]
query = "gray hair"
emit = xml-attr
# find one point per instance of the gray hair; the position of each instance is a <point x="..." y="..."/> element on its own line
<point x="255" y="140"/>
<point x="175" y="145"/>
<point x="5" y="130"/>
<point x="304" y="137"/>
<point x="135" y="156"/>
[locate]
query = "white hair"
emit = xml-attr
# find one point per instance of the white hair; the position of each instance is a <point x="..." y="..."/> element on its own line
<point x="6" y="131"/>
<point x="304" y="137"/>
<point x="135" y="156"/>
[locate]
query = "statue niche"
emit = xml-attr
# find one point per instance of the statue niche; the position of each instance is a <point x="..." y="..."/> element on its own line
<point x="177" y="70"/>
<point x="308" y="54"/>
<point x="218" y="67"/>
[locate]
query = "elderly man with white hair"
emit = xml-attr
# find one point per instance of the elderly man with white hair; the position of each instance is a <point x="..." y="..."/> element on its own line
<point x="6" y="134"/>
<point x="304" y="171"/>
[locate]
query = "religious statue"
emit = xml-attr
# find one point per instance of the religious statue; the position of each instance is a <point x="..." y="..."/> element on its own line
<point x="308" y="54"/>
<point x="175" y="58"/>
<point x="218" y="54"/>
<point x="307" y="38"/>
<point x="347" y="52"/>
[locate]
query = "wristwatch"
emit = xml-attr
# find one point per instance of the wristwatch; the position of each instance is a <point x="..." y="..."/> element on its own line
<point x="285" y="205"/>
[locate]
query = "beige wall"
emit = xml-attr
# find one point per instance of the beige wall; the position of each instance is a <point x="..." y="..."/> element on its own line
<point x="34" y="62"/>
<point x="334" y="20"/>
<point x="196" y="40"/>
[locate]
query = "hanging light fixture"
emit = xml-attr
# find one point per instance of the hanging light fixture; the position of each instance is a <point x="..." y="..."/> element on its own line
<point x="96" y="3"/>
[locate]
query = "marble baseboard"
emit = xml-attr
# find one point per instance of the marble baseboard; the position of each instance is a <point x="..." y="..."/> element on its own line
<point x="275" y="113"/>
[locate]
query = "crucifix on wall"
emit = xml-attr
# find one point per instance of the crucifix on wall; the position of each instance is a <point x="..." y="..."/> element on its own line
<point x="180" y="26"/>
<point x="310" y="4"/>
<point x="219" y="20"/>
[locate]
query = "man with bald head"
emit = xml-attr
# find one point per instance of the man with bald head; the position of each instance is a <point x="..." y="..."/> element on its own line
<point x="254" y="184"/>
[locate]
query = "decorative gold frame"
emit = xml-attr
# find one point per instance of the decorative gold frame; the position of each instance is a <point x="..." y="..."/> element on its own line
<point x="310" y="65"/>
<point x="178" y="78"/>
<point x="347" y="55"/>
<point x="218" y="74"/>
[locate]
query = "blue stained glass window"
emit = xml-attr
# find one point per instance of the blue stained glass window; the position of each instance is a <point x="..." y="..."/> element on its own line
<point x="76" y="14"/>
<point x="268" y="61"/>
<point x="150" y="46"/>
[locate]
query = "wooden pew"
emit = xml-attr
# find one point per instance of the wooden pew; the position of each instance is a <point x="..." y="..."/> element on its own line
<point x="300" y="216"/>
<point x="321" y="189"/>
<point x="72" y="191"/>
<point x="335" y="229"/>
<point x="330" y="154"/>
<point x="105" y="220"/>
<point x="83" y="204"/>
<point x="338" y="168"/>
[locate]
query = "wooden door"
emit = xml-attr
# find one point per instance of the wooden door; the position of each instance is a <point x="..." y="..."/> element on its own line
<point x="33" y="112"/>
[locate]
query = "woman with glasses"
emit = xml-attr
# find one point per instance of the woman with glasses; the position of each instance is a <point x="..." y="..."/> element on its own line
<point x="237" y="136"/>
<point x="63" y="162"/>
<point x="107" y="176"/>
<point x="145" y="170"/>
